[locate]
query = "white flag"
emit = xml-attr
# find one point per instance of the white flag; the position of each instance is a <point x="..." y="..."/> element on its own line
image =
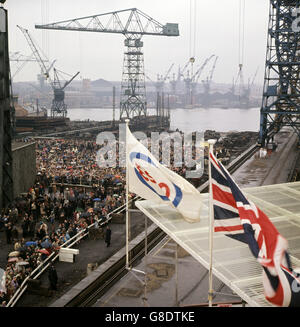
<point x="153" y="181"/>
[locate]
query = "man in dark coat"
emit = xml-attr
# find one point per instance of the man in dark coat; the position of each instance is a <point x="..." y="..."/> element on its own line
<point x="52" y="276"/>
<point x="8" y="230"/>
<point x="108" y="236"/>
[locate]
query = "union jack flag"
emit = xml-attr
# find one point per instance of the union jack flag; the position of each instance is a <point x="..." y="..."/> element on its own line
<point x="241" y="219"/>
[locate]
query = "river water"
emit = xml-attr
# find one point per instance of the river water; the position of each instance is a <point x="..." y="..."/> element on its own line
<point x="187" y="120"/>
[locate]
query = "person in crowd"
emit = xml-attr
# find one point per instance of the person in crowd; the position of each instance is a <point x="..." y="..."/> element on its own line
<point x="107" y="236"/>
<point x="52" y="276"/>
<point x="8" y="231"/>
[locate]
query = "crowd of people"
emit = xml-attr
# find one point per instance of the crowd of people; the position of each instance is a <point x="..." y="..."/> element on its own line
<point x="58" y="206"/>
<point x="51" y="213"/>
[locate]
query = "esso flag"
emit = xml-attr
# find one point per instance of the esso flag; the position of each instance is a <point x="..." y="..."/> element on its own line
<point x="153" y="181"/>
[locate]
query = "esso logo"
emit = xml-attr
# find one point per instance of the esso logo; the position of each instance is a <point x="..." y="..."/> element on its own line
<point x="150" y="175"/>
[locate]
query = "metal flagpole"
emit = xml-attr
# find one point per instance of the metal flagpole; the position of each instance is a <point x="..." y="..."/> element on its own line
<point x="211" y="224"/>
<point x="176" y="271"/>
<point x="127" y="193"/>
<point x="146" y="253"/>
<point x="130" y="269"/>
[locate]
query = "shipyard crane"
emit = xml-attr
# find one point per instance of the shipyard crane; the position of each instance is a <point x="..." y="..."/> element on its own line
<point x="253" y="79"/>
<point x="247" y="91"/>
<point x="133" y="24"/>
<point x="196" y="76"/>
<point x="191" y="81"/>
<point x="168" y="72"/>
<point x="207" y="83"/>
<point x="241" y="87"/>
<point x="36" y="53"/>
<point x="19" y="58"/>
<point x="181" y="72"/>
<point x="174" y="82"/>
<point x="58" y="104"/>
<point x="162" y="79"/>
<point x="188" y="79"/>
<point x="58" y="107"/>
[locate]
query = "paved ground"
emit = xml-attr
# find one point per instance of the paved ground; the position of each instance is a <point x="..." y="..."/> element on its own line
<point x="273" y="170"/>
<point x="164" y="289"/>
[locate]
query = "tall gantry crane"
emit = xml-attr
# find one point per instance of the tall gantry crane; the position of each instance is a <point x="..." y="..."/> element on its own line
<point x="162" y="79"/>
<point x="207" y="84"/>
<point x="281" y="93"/>
<point x="133" y="24"/>
<point x="192" y="81"/>
<point x="58" y="107"/>
<point x="247" y="91"/>
<point x="188" y="79"/>
<point x="195" y="78"/>
<point x="175" y="81"/>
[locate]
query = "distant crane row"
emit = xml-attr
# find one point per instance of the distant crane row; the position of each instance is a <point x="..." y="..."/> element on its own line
<point x="133" y="24"/>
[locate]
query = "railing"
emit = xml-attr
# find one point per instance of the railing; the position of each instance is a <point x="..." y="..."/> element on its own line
<point x="54" y="255"/>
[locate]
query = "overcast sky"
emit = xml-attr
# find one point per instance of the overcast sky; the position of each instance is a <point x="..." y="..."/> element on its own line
<point x="100" y="55"/>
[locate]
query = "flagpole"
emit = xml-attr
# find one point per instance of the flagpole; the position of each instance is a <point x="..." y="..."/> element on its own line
<point x="127" y="194"/>
<point x="211" y="224"/>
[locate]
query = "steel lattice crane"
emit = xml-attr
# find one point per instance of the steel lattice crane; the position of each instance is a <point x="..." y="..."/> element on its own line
<point x="162" y="79"/>
<point x="19" y="58"/>
<point x="188" y="80"/>
<point x="36" y="53"/>
<point x="58" y="107"/>
<point x="196" y="76"/>
<point x="247" y="91"/>
<point x="133" y="24"/>
<point x="191" y="81"/>
<point x="207" y="83"/>
<point x="174" y="82"/>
